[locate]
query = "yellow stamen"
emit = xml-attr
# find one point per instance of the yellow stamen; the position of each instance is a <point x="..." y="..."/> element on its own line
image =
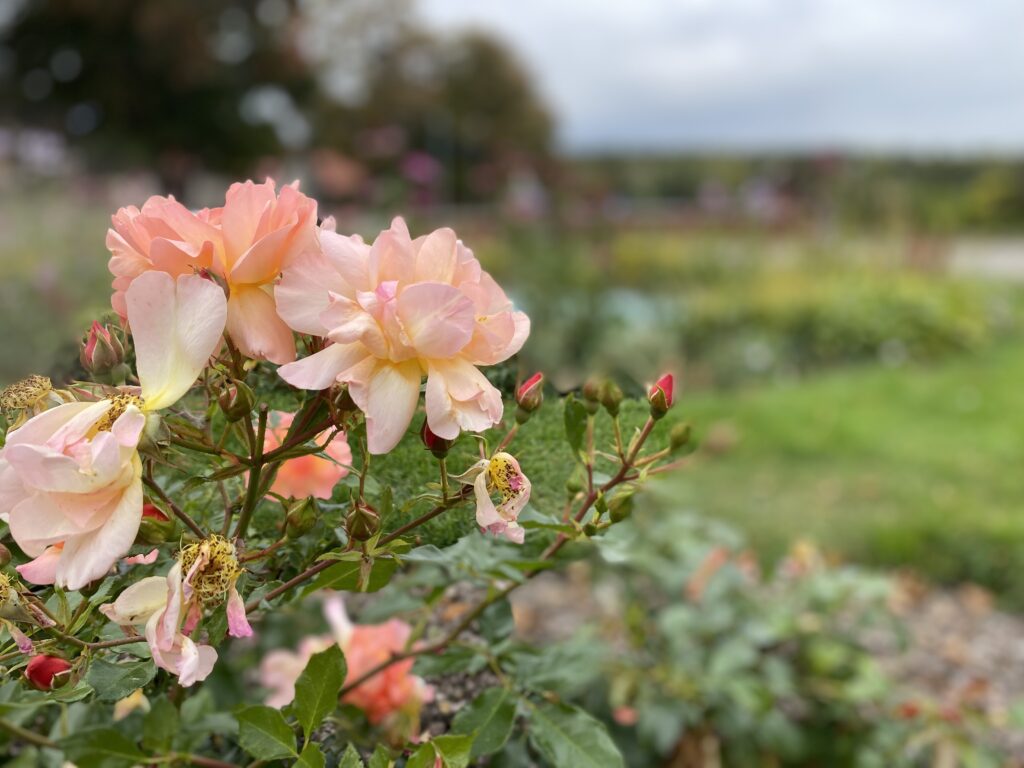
<point x="212" y="580"/>
<point x="25" y="393"/>
<point x="118" y="405"/>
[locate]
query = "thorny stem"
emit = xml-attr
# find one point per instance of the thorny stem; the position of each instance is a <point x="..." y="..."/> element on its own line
<point x="25" y="735"/>
<point x="509" y="436"/>
<point x="443" y="465"/>
<point x="178" y="511"/>
<point x="448" y="503"/>
<point x="256" y="460"/>
<point x="263" y="552"/>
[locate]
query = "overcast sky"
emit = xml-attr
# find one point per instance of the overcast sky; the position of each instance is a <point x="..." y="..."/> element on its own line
<point x="869" y="74"/>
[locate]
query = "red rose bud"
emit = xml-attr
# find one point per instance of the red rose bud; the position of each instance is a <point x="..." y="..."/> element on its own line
<point x="236" y="401"/>
<point x="661" y="396"/>
<point x="102" y="355"/>
<point x="156" y="527"/>
<point x="436" y="445"/>
<point x="530" y="394"/>
<point x="47" y="672"/>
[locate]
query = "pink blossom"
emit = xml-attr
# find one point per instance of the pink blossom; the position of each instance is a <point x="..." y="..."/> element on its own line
<point x="246" y="244"/>
<point x="280" y="669"/>
<point x="308" y="475"/>
<point x="71" y="477"/>
<point x="500" y="474"/>
<point x="394" y="312"/>
<point x="146" y="559"/>
<point x="155" y="603"/>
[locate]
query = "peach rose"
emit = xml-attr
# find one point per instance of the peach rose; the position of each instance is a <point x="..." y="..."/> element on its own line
<point x="309" y="475"/>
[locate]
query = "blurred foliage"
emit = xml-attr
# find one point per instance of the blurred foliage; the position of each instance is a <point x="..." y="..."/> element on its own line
<point x="714" y="665"/>
<point x="139" y="82"/>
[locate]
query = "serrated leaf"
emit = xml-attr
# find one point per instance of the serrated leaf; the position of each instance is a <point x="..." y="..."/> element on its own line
<point x="101" y="748"/>
<point x="454" y="749"/>
<point x="311" y="757"/>
<point x="489" y="718"/>
<point x="316" y="690"/>
<point x="264" y="734"/>
<point x="345" y="577"/>
<point x="566" y="735"/>
<point x="113" y="681"/>
<point x="160" y="725"/>
<point x="424" y="757"/>
<point x="351" y="759"/>
<point x="575" y="417"/>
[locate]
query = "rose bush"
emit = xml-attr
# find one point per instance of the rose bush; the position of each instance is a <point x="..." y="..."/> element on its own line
<point x="179" y="522"/>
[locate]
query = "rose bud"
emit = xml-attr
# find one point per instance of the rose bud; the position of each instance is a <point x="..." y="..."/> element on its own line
<point x="156" y="527"/>
<point x="661" y="396"/>
<point x="45" y="673"/>
<point x="102" y="355"/>
<point x="302" y="516"/>
<point x="621" y="506"/>
<point x="236" y="401"/>
<point x="362" y="522"/>
<point x="529" y="397"/>
<point x="679" y="437"/>
<point x="5" y="555"/>
<point x="611" y="396"/>
<point x="592" y="394"/>
<point x="436" y="445"/>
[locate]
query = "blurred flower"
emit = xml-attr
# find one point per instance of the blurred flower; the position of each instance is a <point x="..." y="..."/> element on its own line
<point x="391" y="696"/>
<point x="308" y="475"/>
<point x="71" y="477"/>
<point x="47" y="672"/>
<point x="502" y="474"/>
<point x="394" y="312"/>
<point x="136" y="701"/>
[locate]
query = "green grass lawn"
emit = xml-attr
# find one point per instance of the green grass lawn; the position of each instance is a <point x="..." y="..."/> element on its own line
<point x="917" y="466"/>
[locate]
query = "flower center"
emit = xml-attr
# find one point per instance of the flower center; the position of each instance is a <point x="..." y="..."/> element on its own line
<point x="218" y="567"/>
<point x="25" y="393"/>
<point x="118" y="405"/>
<point x="504" y="476"/>
<point x="5" y="589"/>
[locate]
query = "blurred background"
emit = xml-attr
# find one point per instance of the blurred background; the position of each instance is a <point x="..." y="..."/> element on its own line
<point x="814" y="211"/>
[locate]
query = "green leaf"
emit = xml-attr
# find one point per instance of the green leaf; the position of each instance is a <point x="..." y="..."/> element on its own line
<point x="566" y="735"/>
<point x="264" y="734"/>
<point x="350" y="759"/>
<point x="345" y="576"/>
<point x="316" y="690"/>
<point x="454" y="749"/>
<point x="489" y="718"/>
<point x="380" y="758"/>
<point x="160" y="725"/>
<point x="113" y="681"/>
<point x="424" y="757"/>
<point x="311" y="757"/>
<point x="101" y="748"/>
<point x="575" y="415"/>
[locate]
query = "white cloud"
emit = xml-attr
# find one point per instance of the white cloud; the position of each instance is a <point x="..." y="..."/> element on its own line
<point x="909" y="74"/>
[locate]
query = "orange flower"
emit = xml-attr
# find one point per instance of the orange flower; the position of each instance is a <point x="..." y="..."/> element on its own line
<point x="307" y="475"/>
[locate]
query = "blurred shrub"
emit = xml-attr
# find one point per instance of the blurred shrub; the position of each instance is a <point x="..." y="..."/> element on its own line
<point x="713" y="665"/>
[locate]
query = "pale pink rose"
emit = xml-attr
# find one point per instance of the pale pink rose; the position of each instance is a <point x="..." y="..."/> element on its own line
<point x="394" y="312"/>
<point x="71" y="494"/>
<point x="280" y="669"/>
<point x="148" y="603"/>
<point x="501" y="475"/>
<point x="146" y="559"/>
<point x="71" y="477"/>
<point x="164" y="236"/>
<point x="246" y="243"/>
<point x="307" y="475"/>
